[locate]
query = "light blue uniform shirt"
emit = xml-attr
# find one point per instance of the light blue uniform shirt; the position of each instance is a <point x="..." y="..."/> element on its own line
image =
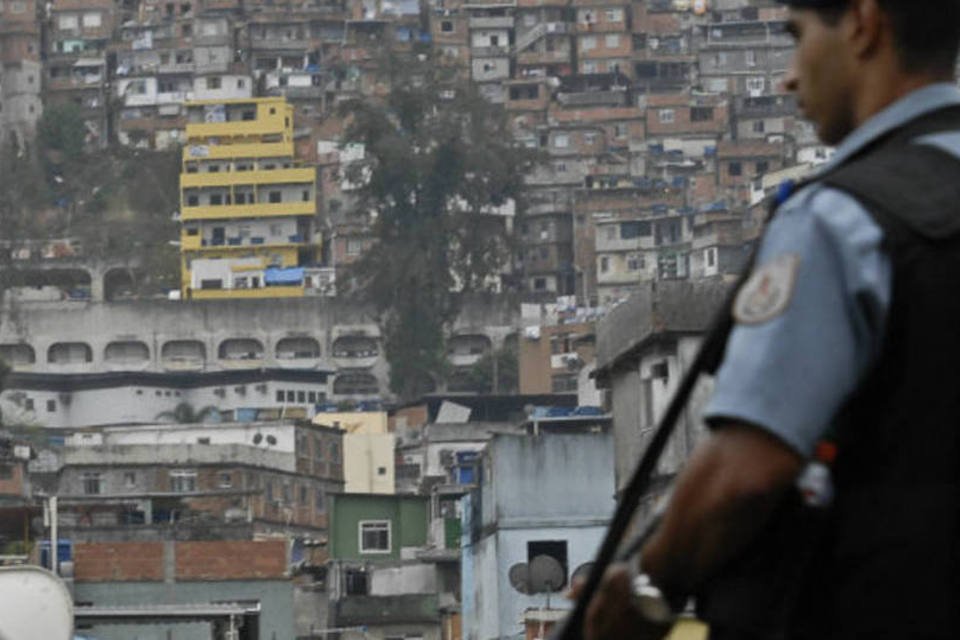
<point x="791" y="374"/>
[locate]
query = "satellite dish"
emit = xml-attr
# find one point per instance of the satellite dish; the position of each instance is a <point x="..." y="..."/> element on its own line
<point x="546" y="575"/>
<point x="583" y="571"/>
<point x="519" y="576"/>
<point x="257" y="438"/>
<point x="271" y="440"/>
<point x="34" y="603"/>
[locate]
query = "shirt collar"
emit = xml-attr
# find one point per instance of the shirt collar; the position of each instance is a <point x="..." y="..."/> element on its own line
<point x="912" y="105"/>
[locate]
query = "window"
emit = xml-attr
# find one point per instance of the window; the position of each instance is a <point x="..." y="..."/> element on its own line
<point x="51" y="406"/>
<point x="711" y="255"/>
<point x="279" y="395"/>
<point x="241" y="83"/>
<point x="334" y="452"/>
<point x="92" y="483"/>
<point x="751" y="57"/>
<point x="588" y="42"/>
<point x="183" y="481"/>
<point x="762" y="167"/>
<point x="287" y="493"/>
<point x="28" y="404"/>
<point x="604" y="264"/>
<point x="301" y="396"/>
<point x="129" y="479"/>
<point x="193" y="201"/>
<point x="275" y="196"/>
<point x="311" y="396"/>
<point x="614" y="15"/>
<point x="226" y="480"/>
<point x="6" y="472"/>
<point x="701" y="114"/>
<point x="303" y="494"/>
<point x="561" y="141"/>
<point x="759" y="126"/>
<point x="318" y="501"/>
<point x="381" y="471"/>
<point x="92" y="20"/>
<point x="446" y="26"/>
<point x="736" y="169"/>
<point x="374" y="536"/>
<point x="666" y="116"/>
<point x="356" y="582"/>
<point x="635" y="262"/>
<point x="291" y="396"/>
<point x="612" y="40"/>
<point x="213" y="82"/>
<point x="556" y="549"/>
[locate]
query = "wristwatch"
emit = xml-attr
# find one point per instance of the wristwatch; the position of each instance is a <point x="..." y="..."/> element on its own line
<point x="650" y="601"/>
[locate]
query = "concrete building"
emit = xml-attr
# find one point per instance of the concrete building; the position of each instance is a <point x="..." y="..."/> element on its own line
<point x="184" y="589"/>
<point x="383" y="579"/>
<point x="551" y="356"/>
<point x="247" y="207"/>
<point x="231" y="482"/>
<point x="76" y="64"/>
<point x="532" y="501"/>
<point x="78" y="400"/>
<point x="21" y="73"/>
<point x="310" y="333"/>
<point x="368" y="450"/>
<point x="644" y="347"/>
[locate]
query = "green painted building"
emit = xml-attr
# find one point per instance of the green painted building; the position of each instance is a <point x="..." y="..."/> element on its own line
<point x="375" y="527"/>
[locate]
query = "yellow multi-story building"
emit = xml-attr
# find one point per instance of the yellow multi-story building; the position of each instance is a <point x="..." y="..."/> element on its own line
<point x="247" y="208"/>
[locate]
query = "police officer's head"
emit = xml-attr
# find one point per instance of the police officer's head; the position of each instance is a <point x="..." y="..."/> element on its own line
<point x="855" y="57"/>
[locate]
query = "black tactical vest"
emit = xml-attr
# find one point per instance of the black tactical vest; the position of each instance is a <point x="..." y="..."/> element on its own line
<point x="890" y="564"/>
<point x="884" y="563"/>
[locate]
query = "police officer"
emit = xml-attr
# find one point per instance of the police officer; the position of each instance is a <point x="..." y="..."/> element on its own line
<point x="849" y="326"/>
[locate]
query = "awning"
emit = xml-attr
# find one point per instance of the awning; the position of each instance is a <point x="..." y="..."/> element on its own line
<point x="89" y="62"/>
<point x="292" y="275"/>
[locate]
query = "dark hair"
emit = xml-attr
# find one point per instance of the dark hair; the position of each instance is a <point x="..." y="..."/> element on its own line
<point x="927" y="34"/>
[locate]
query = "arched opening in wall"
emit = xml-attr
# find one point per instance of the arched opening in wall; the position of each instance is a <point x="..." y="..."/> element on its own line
<point x="50" y="284"/>
<point x="468" y="345"/>
<point x="466" y="380"/>
<point x="355" y="347"/>
<point x="183" y="353"/>
<point x="126" y="352"/>
<point x="356" y="383"/>
<point x="512" y="343"/>
<point x="119" y="284"/>
<point x="17" y="354"/>
<point x="240" y="349"/>
<point x="301" y="348"/>
<point x="69" y="353"/>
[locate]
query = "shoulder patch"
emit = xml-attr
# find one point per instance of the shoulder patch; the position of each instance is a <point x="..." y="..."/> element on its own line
<point x="768" y="291"/>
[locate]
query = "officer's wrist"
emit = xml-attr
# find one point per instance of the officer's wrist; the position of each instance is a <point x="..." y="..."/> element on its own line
<point x="654" y="603"/>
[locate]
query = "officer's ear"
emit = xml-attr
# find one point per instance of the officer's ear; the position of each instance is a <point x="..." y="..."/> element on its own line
<point x="866" y="28"/>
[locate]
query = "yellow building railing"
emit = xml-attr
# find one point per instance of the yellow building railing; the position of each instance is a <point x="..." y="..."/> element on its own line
<point x="259" y="210"/>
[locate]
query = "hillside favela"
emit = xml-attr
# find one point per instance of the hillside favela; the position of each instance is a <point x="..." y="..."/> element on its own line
<point x="349" y="319"/>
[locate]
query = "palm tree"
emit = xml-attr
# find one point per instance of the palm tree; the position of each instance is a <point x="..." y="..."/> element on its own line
<point x="184" y="413"/>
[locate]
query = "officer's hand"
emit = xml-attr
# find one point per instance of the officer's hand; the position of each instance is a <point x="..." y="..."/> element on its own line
<point x="613" y="614"/>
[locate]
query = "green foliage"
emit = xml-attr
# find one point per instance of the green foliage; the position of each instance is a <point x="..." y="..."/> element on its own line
<point x="495" y="372"/>
<point x="438" y="158"/>
<point x="61" y="128"/>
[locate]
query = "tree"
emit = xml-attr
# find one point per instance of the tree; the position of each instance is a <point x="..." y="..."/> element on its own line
<point x="438" y="159"/>
<point x="496" y="372"/>
<point x="61" y="129"/>
<point x="184" y="413"/>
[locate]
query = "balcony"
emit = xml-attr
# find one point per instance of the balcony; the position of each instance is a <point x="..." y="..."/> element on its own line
<point x="544" y="57"/>
<point x="281" y="44"/>
<point x="381" y="610"/>
<point x="244" y="178"/>
<point x="240" y="211"/>
<point x="490" y="52"/>
<point x="494" y="22"/>
<point x="257" y="128"/>
<point x="230" y="151"/>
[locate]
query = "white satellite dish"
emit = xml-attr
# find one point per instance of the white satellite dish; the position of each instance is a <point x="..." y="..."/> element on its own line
<point x="546" y="575"/>
<point x="34" y="603"/>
